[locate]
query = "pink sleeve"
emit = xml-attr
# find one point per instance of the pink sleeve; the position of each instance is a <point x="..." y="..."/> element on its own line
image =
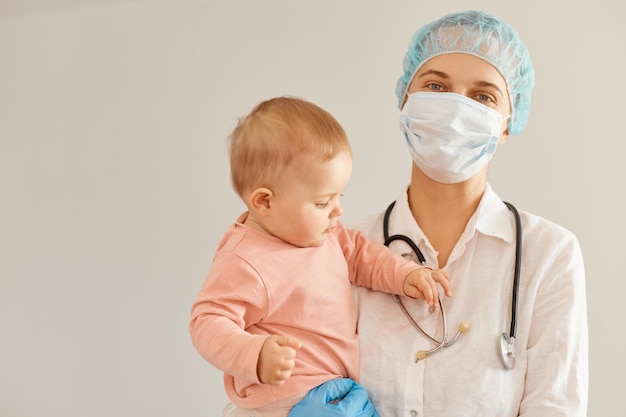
<point x="371" y="264"/>
<point x="231" y="298"/>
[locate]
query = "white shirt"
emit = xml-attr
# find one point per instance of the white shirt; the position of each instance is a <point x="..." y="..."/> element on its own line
<point x="550" y="377"/>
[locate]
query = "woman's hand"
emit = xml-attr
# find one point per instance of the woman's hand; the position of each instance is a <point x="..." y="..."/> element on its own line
<point x="335" y="398"/>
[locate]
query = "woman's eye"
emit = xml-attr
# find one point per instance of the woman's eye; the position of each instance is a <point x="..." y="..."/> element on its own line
<point x="485" y="98"/>
<point x="435" y="87"/>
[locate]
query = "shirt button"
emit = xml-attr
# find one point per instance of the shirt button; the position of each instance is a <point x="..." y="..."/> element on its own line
<point x="413" y="413"/>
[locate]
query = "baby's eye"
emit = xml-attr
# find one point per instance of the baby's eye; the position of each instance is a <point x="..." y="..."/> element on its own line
<point x="321" y="205"/>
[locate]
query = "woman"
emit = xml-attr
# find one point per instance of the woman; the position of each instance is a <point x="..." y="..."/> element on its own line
<point x="464" y="91"/>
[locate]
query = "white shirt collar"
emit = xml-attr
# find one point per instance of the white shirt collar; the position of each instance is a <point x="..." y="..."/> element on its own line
<point x="492" y="218"/>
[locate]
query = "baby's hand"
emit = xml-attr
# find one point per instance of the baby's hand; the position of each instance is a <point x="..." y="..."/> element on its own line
<point x="277" y="359"/>
<point x="422" y="283"/>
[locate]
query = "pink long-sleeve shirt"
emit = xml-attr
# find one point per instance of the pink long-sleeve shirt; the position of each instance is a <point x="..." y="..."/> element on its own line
<point x="259" y="285"/>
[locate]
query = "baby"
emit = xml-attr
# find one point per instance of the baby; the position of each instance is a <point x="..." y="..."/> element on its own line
<point x="276" y="312"/>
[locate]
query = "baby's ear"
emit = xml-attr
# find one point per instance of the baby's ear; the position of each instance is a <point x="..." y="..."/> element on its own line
<point x="260" y="200"/>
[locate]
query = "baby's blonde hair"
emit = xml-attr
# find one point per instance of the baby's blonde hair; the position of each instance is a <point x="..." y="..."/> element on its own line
<point x="275" y="133"/>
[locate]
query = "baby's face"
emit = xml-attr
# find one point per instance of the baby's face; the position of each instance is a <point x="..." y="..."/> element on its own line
<point x="306" y="202"/>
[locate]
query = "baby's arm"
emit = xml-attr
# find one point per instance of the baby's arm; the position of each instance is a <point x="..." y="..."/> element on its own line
<point x="422" y="283"/>
<point x="277" y="359"/>
<point x="375" y="266"/>
<point x="223" y="311"/>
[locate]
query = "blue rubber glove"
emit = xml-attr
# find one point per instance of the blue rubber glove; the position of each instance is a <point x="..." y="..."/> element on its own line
<point x="335" y="398"/>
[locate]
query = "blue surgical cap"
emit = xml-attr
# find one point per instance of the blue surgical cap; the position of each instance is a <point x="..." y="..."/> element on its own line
<point x="482" y="35"/>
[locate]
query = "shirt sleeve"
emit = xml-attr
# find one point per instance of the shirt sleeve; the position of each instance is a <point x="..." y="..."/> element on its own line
<point x="557" y="351"/>
<point x="231" y="298"/>
<point x="371" y="264"/>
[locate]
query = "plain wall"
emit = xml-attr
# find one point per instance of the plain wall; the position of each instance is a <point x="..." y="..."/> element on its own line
<point x="114" y="183"/>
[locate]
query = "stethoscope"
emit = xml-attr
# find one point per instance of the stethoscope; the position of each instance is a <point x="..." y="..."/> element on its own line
<point x="506" y="340"/>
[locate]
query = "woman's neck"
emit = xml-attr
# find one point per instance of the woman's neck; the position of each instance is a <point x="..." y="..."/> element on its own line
<point x="443" y="210"/>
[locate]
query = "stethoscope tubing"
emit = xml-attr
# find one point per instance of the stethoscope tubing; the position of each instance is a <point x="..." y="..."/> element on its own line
<point x="517" y="269"/>
<point x="444" y="325"/>
<point x="506" y="342"/>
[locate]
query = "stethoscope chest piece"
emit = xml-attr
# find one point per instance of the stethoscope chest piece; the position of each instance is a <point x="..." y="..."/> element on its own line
<point x="506" y="351"/>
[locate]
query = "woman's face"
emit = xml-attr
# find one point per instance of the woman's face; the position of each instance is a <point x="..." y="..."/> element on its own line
<point x="469" y="76"/>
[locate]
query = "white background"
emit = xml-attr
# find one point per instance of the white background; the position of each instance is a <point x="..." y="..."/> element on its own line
<point x="114" y="183"/>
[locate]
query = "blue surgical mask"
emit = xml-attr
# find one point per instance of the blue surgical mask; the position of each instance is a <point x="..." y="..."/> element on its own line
<point x="450" y="137"/>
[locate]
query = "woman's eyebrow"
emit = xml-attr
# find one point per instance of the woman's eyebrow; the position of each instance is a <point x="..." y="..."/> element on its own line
<point x="488" y="84"/>
<point x="435" y="72"/>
